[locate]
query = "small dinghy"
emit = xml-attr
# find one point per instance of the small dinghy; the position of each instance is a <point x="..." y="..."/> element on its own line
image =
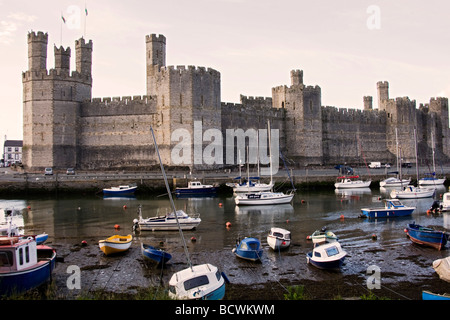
<point x="322" y="235"/>
<point x="115" y="244"/>
<point x="249" y="249"/>
<point x="279" y="239"/>
<point x="427" y="236"/>
<point x="327" y="256"/>
<point x="154" y="255"/>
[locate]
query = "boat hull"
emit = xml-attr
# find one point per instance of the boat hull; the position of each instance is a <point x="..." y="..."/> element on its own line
<point x="154" y="255"/>
<point x="24" y="280"/>
<point x="427" y="295"/>
<point x="195" y="191"/>
<point x="427" y="236"/>
<point x="329" y="265"/>
<point x="113" y="246"/>
<point x="387" y="213"/>
<point x="352" y="185"/>
<point x="431" y="182"/>
<point x="168" y="225"/>
<point x="263" y="201"/>
<point x="119" y="192"/>
<point x="251" y="255"/>
<point x="278" y="243"/>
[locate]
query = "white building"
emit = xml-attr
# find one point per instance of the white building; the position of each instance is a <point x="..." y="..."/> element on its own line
<point x="12" y="152"/>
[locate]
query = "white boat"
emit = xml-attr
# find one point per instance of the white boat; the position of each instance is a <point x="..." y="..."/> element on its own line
<point x="203" y="282"/>
<point x="167" y="222"/>
<point x="442" y="268"/>
<point x="432" y="180"/>
<point x="322" y="236"/>
<point x="194" y="282"/>
<point x="279" y="238"/>
<point x="327" y="256"/>
<point x="251" y="186"/>
<point x="394" y="182"/>
<point x="120" y="190"/>
<point x="351" y="182"/>
<point x="412" y="192"/>
<point x="445" y="204"/>
<point x="264" y="198"/>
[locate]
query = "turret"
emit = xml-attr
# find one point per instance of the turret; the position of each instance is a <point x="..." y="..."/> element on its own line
<point x="368" y="103"/>
<point x="37" y="51"/>
<point x="296" y="77"/>
<point x="62" y="59"/>
<point x="383" y="94"/>
<point x="156" y="50"/>
<point x="83" y="52"/>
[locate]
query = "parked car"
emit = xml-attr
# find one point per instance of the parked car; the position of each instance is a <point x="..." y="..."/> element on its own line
<point x="48" y="171"/>
<point x="375" y="165"/>
<point x="70" y="171"/>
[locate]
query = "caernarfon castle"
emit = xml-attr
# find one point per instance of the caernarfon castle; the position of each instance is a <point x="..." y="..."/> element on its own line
<point x="63" y="126"/>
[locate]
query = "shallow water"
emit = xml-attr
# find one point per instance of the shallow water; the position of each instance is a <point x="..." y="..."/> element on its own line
<point x="69" y="220"/>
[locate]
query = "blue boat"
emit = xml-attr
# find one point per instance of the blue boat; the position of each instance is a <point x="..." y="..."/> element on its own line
<point x="195" y="188"/>
<point x="41" y="238"/>
<point x="392" y="208"/>
<point x="155" y="255"/>
<point x="327" y="256"/>
<point x="249" y="249"/>
<point x="427" y="236"/>
<point x="24" y="264"/>
<point x="120" y="190"/>
<point x="427" y="295"/>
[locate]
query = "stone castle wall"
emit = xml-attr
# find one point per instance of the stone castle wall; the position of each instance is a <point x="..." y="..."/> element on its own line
<point x="65" y="127"/>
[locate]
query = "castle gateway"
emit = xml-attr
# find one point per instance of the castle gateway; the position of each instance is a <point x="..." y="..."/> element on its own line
<point x="63" y="126"/>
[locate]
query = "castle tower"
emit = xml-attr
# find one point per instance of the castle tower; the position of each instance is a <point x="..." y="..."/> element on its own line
<point x="51" y="104"/>
<point x="368" y="103"/>
<point x="155" y="58"/>
<point x="62" y="59"/>
<point x="296" y="77"/>
<point x="83" y="53"/>
<point x="303" y="126"/>
<point x="383" y="94"/>
<point x="37" y="51"/>
<point x="439" y="107"/>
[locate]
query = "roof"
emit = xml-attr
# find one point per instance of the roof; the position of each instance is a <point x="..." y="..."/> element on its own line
<point x="13" y="143"/>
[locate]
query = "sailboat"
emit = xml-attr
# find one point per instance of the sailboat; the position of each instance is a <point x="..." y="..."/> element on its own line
<point x="432" y="179"/>
<point x="266" y="197"/>
<point x="200" y="282"/>
<point x="253" y="184"/>
<point x="395" y="181"/>
<point x="412" y="192"/>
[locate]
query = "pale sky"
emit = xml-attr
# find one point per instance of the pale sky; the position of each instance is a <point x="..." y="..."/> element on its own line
<point x="345" y="47"/>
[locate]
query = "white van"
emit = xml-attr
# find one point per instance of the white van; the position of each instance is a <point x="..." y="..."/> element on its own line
<point x="375" y="165"/>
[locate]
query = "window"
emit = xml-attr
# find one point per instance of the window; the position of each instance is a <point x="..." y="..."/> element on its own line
<point x="27" y="254"/>
<point x="218" y="275"/>
<point x="20" y="256"/>
<point x="195" y="282"/>
<point x="6" y="259"/>
<point x="332" y="251"/>
<point x="317" y="254"/>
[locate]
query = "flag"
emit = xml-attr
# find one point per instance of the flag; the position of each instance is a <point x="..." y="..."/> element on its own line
<point x="62" y="17"/>
<point x="85" y="10"/>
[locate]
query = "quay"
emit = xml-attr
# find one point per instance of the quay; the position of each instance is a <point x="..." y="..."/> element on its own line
<point x="12" y="182"/>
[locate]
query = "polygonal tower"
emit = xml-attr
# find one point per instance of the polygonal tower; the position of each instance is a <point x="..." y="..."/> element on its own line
<point x="51" y="103"/>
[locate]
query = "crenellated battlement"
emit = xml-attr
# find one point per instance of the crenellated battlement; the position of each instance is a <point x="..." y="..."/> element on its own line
<point x="154" y="37"/>
<point x="187" y="70"/>
<point x="55" y="74"/>
<point x="40" y="36"/>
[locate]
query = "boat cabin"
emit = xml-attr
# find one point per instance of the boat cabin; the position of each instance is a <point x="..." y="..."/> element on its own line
<point x="393" y="203"/>
<point x="195" y="282"/>
<point x="17" y="254"/>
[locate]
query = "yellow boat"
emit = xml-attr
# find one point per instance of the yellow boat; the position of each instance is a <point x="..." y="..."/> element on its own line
<point x="115" y="244"/>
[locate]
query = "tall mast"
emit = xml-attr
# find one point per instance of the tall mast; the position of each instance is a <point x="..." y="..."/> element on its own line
<point x="171" y="200"/>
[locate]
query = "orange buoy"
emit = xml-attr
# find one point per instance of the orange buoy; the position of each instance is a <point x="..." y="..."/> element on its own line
<point x="220" y="204"/>
<point x="29" y="207"/>
<point x="303" y="201"/>
<point x="124" y="206"/>
<point x="193" y="239"/>
<point x="228" y="224"/>
<point x="287" y="221"/>
<point x="116" y="226"/>
<point x="84" y="243"/>
<point x="374" y="236"/>
<point x="342" y="216"/>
